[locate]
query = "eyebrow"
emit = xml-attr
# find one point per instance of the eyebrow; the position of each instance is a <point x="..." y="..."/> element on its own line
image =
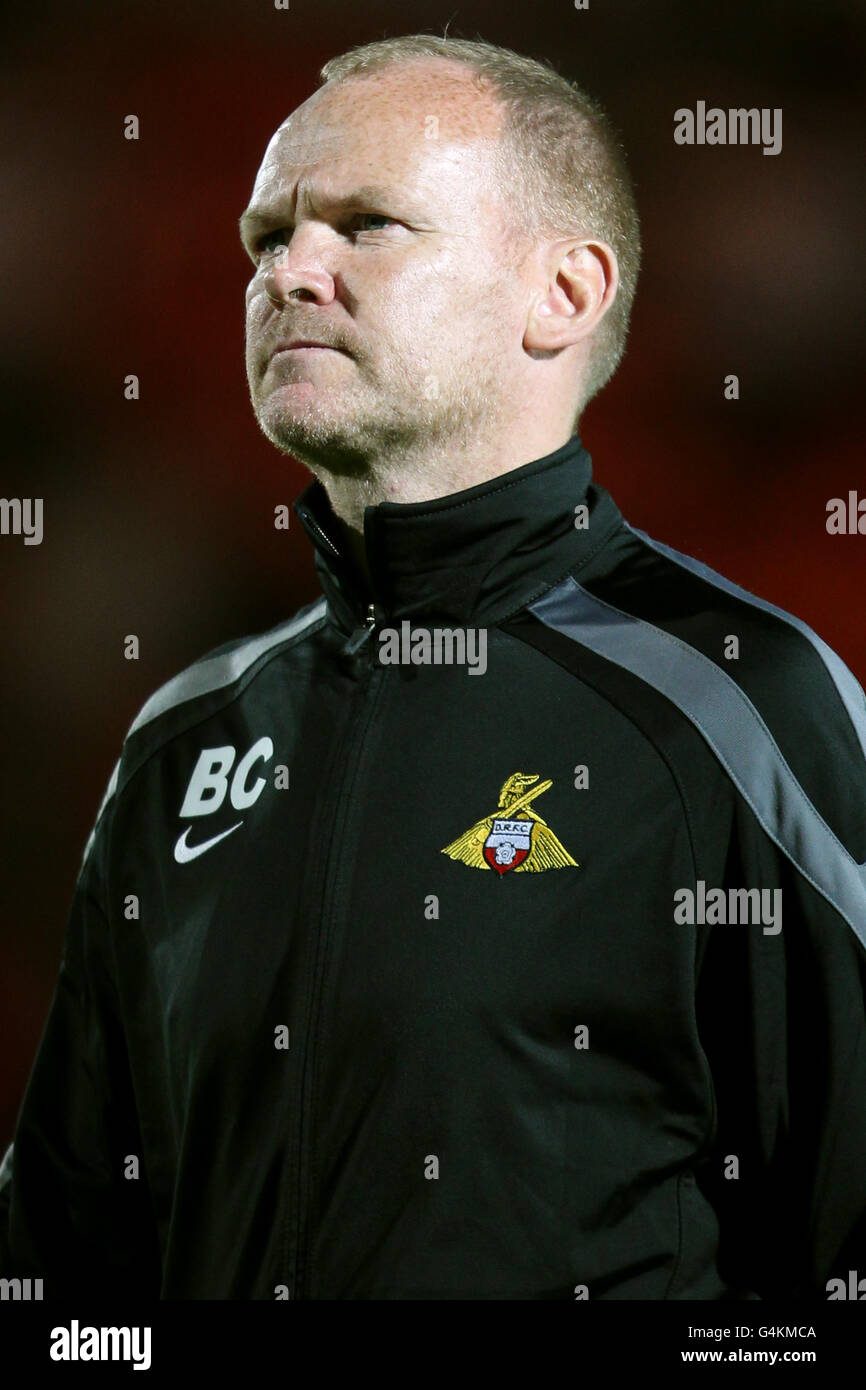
<point x="256" y="218"/>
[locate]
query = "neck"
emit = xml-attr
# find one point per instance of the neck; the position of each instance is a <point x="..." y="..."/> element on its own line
<point x="434" y="470"/>
<point x="466" y="557"/>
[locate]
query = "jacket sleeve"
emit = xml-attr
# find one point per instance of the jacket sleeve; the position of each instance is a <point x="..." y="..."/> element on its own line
<point x="71" y="1210"/>
<point x="782" y="1014"/>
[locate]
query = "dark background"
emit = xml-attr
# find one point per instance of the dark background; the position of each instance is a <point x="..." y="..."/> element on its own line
<point x="123" y="257"/>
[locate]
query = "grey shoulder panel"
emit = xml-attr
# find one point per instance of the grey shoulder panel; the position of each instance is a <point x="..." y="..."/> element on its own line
<point x="109" y="793"/>
<point x="734" y="729"/>
<point x="6" y="1168"/>
<point x="850" y="691"/>
<point x="211" y="673"/>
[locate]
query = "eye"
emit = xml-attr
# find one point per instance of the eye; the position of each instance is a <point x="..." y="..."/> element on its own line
<point x="276" y="241"/>
<point x="366" y="217"/>
<point x="271" y="242"/>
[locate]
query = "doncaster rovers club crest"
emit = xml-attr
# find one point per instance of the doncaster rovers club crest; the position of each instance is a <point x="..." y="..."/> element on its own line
<point x="512" y="837"/>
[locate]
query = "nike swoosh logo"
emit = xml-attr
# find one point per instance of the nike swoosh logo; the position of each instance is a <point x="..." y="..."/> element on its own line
<point x="183" y="852"/>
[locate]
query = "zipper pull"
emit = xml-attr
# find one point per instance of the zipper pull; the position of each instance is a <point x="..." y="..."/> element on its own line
<point x="357" y="641"/>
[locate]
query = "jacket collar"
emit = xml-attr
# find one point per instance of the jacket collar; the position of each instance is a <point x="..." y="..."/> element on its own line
<point x="472" y="557"/>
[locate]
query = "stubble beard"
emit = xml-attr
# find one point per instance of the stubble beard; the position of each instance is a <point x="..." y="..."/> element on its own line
<point x="366" y="441"/>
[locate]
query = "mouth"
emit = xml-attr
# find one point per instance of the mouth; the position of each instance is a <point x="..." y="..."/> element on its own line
<point x="302" y="345"/>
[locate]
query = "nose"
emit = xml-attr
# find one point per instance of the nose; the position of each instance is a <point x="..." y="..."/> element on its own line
<point x="297" y="273"/>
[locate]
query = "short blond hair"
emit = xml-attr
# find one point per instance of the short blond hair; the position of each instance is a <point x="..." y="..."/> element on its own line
<point x="569" y="160"/>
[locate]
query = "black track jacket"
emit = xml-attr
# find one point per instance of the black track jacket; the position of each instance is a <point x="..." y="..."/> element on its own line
<point x="535" y="974"/>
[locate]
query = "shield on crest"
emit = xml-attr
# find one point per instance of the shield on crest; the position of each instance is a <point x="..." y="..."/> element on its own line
<point x="508" y="844"/>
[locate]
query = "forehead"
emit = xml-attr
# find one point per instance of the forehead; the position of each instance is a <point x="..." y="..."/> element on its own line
<point x="406" y="124"/>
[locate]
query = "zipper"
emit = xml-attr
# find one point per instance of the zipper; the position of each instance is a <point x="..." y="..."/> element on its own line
<point x="308" y="518"/>
<point x="357" y="640"/>
<point x="354" y="739"/>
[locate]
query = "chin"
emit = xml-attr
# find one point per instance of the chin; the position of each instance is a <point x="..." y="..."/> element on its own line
<point x="293" y="413"/>
<point x="315" y="439"/>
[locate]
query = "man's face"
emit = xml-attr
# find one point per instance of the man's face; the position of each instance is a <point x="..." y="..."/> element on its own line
<point x="377" y="204"/>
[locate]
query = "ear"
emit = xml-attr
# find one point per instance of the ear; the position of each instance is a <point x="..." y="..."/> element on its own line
<point x="577" y="283"/>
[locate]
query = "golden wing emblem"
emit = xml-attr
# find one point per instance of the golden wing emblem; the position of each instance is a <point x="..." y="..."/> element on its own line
<point x="469" y="845"/>
<point x="546" y="853"/>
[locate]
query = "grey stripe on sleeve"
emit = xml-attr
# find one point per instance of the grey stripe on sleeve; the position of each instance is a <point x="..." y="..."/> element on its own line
<point x="733" y="728"/>
<point x="199" y="679"/>
<point x="213" y="672"/>
<point x="6" y="1168"/>
<point x="849" y="688"/>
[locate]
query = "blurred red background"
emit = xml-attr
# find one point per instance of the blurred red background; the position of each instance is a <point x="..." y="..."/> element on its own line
<point x="123" y="257"/>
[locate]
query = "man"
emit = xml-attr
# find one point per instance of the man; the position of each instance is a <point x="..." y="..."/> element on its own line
<point x="387" y="980"/>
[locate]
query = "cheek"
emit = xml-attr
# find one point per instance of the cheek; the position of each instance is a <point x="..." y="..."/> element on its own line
<point x="416" y="300"/>
<point x="255" y="318"/>
<point x="255" y="302"/>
